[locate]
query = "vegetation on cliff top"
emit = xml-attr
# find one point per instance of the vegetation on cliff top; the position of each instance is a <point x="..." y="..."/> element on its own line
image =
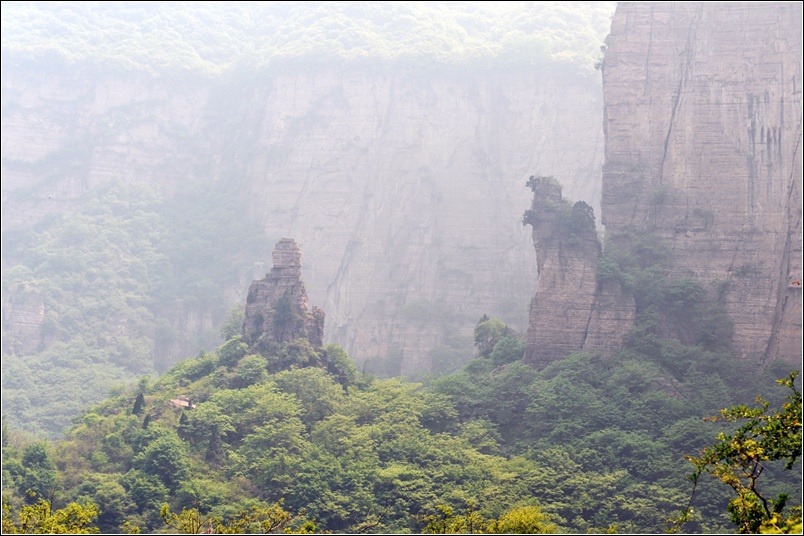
<point x="213" y="38"/>
<point x="570" y="223"/>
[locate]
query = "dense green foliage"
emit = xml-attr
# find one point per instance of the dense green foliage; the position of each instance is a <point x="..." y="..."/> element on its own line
<point x="525" y="520"/>
<point x="498" y="342"/>
<point x="272" y="437"/>
<point x="345" y="449"/>
<point x="571" y="223"/>
<point x="113" y="278"/>
<point x="214" y="38"/>
<point x="255" y="520"/>
<point x="40" y="518"/>
<point x="585" y="444"/>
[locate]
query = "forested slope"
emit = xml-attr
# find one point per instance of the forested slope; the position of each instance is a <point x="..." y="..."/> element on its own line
<point x="594" y="444"/>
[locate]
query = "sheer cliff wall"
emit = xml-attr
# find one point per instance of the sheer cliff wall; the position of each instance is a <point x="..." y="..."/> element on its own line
<point x="405" y="189"/>
<point x="703" y="127"/>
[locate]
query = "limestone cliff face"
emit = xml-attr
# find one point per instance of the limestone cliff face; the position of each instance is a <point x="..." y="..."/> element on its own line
<point x="276" y="306"/>
<point x="405" y="189"/>
<point x="67" y="132"/>
<point x="703" y="144"/>
<point x="703" y="126"/>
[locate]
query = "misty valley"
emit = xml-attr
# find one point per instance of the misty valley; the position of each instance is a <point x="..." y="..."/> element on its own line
<point x="401" y="267"/>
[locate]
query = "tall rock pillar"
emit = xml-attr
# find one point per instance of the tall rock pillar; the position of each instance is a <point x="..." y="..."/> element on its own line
<point x="567" y="250"/>
<point x="276" y="306"/>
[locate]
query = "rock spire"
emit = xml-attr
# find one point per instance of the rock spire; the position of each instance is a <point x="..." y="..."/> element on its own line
<point x="276" y="306"/>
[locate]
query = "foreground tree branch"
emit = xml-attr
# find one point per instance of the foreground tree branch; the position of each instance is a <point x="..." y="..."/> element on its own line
<point x="738" y="460"/>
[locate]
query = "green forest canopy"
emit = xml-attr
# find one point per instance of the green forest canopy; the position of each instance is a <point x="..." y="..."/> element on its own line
<point x="585" y="445"/>
<point x="129" y="256"/>
<point x="213" y="38"/>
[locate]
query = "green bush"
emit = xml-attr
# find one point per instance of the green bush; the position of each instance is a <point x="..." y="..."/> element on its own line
<point x="507" y="350"/>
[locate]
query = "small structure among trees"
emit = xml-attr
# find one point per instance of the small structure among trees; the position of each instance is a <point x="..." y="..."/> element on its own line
<point x="182" y="401"/>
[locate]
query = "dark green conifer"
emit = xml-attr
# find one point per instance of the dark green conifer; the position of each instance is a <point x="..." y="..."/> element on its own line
<point x="139" y="405"/>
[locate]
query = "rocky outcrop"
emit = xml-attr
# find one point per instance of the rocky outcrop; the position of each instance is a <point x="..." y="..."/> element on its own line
<point x="703" y="126"/>
<point x="276" y="306"/>
<point x="23" y="320"/>
<point x="405" y="187"/>
<point x="567" y="248"/>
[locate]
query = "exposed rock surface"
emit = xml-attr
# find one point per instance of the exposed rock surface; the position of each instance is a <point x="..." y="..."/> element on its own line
<point x="612" y="315"/>
<point x="404" y="188"/>
<point x="276" y="306"/>
<point x="703" y="125"/>
<point x="567" y="248"/>
<point x="23" y="320"/>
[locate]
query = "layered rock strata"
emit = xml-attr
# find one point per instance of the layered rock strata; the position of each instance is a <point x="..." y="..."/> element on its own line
<point x="567" y="250"/>
<point x="703" y="126"/>
<point x="276" y="306"/>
